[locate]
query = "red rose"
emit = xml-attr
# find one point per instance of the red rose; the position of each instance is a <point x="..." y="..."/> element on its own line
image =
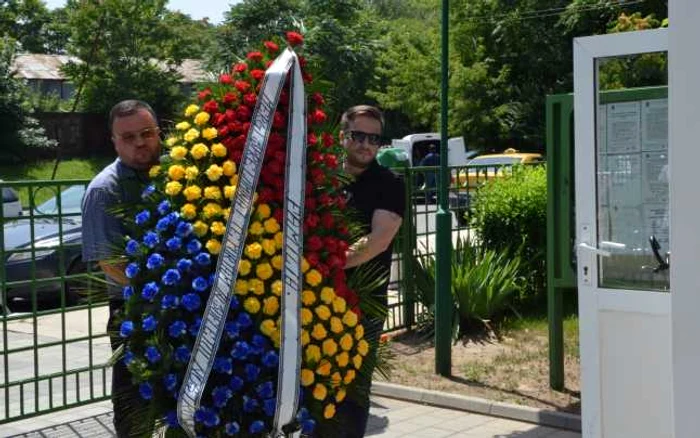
<point x="257" y="74"/>
<point x="278" y="120"/>
<point x="331" y="160"/>
<point x="204" y="94"/>
<point x="324" y="270"/>
<point x="325" y="200"/>
<point x="239" y="142"/>
<point x="314" y="243"/>
<point x="278" y="214"/>
<point x="310" y="203"/>
<point x="316" y="157"/>
<point x="265" y="195"/>
<point x="242" y="86"/>
<point x="317" y="176"/>
<point x="230" y="98"/>
<point x="307" y="77"/>
<point x="302" y="62"/>
<point x="327" y="221"/>
<point x="342" y="245"/>
<point x="245" y="127"/>
<point x="271" y="47"/>
<point x="294" y="39"/>
<point x="218" y="119"/>
<point x="340" y="201"/>
<point x="313" y="259"/>
<point x="311" y="139"/>
<point x="230" y="115"/>
<point x="335" y="262"/>
<point x="226" y="78"/>
<point x="331" y="244"/>
<point x="319" y="116"/>
<point x="280" y="156"/>
<point x="243" y="113"/>
<point x="275" y="167"/>
<point x="318" y="98"/>
<point x="311" y="220"/>
<point x="268" y="64"/>
<point x="235" y="126"/>
<point x="223" y="131"/>
<point x="250" y="99"/>
<point x="211" y="107"/>
<point x="309" y="188"/>
<point x="240" y="67"/>
<point x="284" y="98"/>
<point x="275" y="141"/>
<point x="236" y="155"/>
<point x="327" y="139"/>
<point x="255" y="56"/>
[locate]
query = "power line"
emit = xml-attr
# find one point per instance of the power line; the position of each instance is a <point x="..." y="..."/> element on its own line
<point x="543" y="13"/>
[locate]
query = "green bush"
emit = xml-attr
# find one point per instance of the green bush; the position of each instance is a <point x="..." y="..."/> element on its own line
<point x="512" y="210"/>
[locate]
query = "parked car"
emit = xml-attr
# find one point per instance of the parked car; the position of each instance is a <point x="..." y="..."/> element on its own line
<point x="45" y="233"/>
<point x="11" y="207"/>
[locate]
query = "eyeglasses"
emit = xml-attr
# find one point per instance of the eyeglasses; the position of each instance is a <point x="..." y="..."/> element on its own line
<point x="360" y="137"/>
<point x="146" y="134"/>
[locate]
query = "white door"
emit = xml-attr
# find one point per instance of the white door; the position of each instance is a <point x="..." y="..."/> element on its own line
<point x="621" y="201"/>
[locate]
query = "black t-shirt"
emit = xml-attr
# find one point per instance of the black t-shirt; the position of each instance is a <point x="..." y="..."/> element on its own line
<point x="377" y="188"/>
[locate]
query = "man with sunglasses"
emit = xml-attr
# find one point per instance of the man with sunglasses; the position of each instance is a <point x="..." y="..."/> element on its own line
<point x="378" y="195"/>
<point x="136" y="137"/>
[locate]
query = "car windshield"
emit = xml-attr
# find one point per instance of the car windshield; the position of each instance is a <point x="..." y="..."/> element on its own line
<point x="71" y="199"/>
<point x="9" y="195"/>
<point x="494" y="161"/>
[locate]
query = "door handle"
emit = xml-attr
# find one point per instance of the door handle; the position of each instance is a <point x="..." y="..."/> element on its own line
<point x="586" y="247"/>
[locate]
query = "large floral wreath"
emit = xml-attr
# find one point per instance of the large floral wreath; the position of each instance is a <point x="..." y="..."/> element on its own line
<point x="173" y="250"/>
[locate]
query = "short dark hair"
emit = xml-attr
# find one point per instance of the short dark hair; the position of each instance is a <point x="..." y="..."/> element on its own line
<point x="361" y="110"/>
<point x="129" y="107"/>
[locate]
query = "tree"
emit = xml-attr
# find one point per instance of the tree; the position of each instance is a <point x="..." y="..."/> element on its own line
<point x="25" y="21"/>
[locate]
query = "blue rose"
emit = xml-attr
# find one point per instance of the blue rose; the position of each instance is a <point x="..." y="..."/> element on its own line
<point x="163" y="224"/>
<point x="149" y="291"/>
<point x="132" y="247"/>
<point x="236" y="383"/>
<point x="154" y="261"/>
<point x="191" y="302"/>
<point x="173" y="244"/>
<point x="183" y="229"/>
<point x="231" y="329"/>
<point x="171" y="277"/>
<point x="200" y="284"/>
<point x="249" y="404"/>
<point x="207" y="417"/>
<point x="303" y="414"/>
<point x="151" y="239"/>
<point x="170" y="381"/>
<point x="259" y="344"/>
<point x="241" y="350"/>
<point x="194" y="328"/>
<point x="148" y="191"/>
<point x="244" y="320"/>
<point x="173" y="217"/>
<point x="132" y="270"/>
<point x="128" y="357"/>
<point x="127" y="292"/>
<point x="177" y="329"/>
<point x="308" y="426"/>
<point x="270" y="359"/>
<point x="256" y="426"/>
<point x="223" y="365"/>
<point x="269" y="406"/>
<point x="194" y="246"/>
<point x="182" y="354"/>
<point x="143" y="217"/>
<point x="232" y="428"/>
<point x="171" y="419"/>
<point x="251" y="372"/>
<point x="169" y="302"/>
<point x="221" y="395"/>
<point x="265" y="390"/>
<point x="126" y="329"/>
<point x="152" y="354"/>
<point x="163" y="207"/>
<point x="203" y="259"/>
<point x="184" y="265"/>
<point x="234" y="303"/>
<point x="149" y="323"/>
<point x="146" y="391"/>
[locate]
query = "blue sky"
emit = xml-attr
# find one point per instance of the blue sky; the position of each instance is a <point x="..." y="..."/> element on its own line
<point x="214" y="9"/>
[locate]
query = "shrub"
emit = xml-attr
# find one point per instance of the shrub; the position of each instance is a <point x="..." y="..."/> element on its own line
<point x="513" y="210"/>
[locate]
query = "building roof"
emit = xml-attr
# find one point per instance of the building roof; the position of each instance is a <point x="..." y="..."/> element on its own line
<point x="48" y="67"/>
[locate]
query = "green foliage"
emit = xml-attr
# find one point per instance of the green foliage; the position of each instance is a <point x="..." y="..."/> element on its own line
<point x="513" y="209"/>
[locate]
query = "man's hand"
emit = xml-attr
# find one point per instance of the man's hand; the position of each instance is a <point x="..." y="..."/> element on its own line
<point x="115" y="271"/>
<point x="385" y="225"/>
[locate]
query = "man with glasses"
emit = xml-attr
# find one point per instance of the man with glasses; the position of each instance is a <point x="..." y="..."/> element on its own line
<point x="135" y="134"/>
<point x="378" y="195"/>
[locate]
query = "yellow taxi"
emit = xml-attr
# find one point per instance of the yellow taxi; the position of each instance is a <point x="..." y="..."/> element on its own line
<point x="485" y="167"/>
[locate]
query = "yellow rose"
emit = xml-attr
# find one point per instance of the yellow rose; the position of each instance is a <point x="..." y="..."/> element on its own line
<point x="350" y="318"/>
<point x="178" y="153"/>
<point x="253" y="251"/>
<point x="271" y="305"/>
<point x="201" y="118"/>
<point x="329" y="347"/>
<point x="191" y="173"/>
<point x="313" y="354"/>
<point x="277" y="262"/>
<point x="357" y="361"/>
<point x="336" y="325"/>
<point x="308" y="297"/>
<point x="346" y="342"/>
<point x="329" y="411"/>
<point x="229" y="168"/>
<point x="256" y="228"/>
<point x="191" y="110"/>
<point x="257" y="286"/>
<point x="363" y="347"/>
<point x="267" y="327"/>
<point x="199" y="151"/>
<point x="212" y="192"/>
<point x="313" y="277"/>
<point x="229" y="192"/>
<point x="319" y="332"/>
<point x="188" y="211"/>
<point x="241" y="287"/>
<point x="305" y="338"/>
<point x="171" y="141"/>
<point x="214" y="172"/>
<point x="154" y="171"/>
<point x="359" y="332"/>
<point x="191" y="135"/>
<point x="183" y="126"/>
<point x="173" y="188"/>
<point x="336" y="379"/>
<point x="244" y="267"/>
<point x="264" y="211"/>
<point x="200" y="228"/>
<point x="218" y="228"/>
<point x="323" y="312"/>
<point x="324" y="368"/>
<point x="276" y="337"/>
<point x="226" y="212"/>
<point x="212" y="209"/>
<point x="263" y="271"/>
<point x="340" y="395"/>
<point x="339" y="305"/>
<point x="251" y="305"/>
<point x="210" y="133"/>
<point x="307" y="377"/>
<point x="279" y="241"/>
<point x="327" y="295"/>
<point x="342" y="359"/>
<point x="192" y="193"/>
<point x="233" y="180"/>
<point x="213" y="246"/>
<point x="269" y="247"/>
<point x="306" y="316"/>
<point x="320" y="392"/>
<point x="271" y="225"/>
<point x="277" y="287"/>
<point x="219" y="150"/>
<point x="349" y="377"/>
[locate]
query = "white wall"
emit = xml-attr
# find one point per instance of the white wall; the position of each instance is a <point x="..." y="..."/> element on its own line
<point x="684" y="158"/>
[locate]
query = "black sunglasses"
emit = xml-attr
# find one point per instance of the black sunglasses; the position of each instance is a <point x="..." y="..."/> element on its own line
<point x="360" y="137"/>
